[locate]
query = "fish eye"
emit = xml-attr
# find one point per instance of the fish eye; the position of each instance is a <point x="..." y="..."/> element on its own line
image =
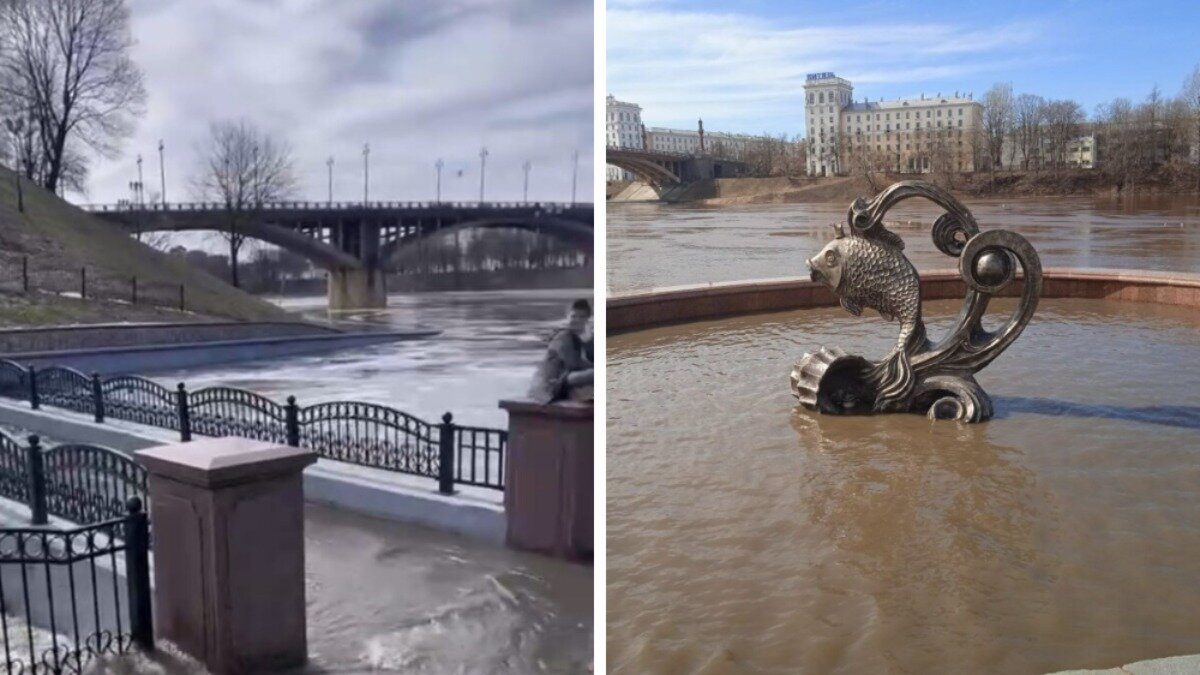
<point x="831" y="258"/>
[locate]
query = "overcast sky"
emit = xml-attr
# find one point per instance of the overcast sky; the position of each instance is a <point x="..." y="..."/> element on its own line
<point x="417" y="79"/>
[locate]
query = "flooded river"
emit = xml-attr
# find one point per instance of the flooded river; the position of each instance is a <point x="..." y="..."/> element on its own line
<point x="491" y="342"/>
<point x="654" y="245"/>
<point x="746" y="535"/>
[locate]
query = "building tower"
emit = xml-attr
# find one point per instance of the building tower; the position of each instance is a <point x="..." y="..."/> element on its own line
<point x="825" y="95"/>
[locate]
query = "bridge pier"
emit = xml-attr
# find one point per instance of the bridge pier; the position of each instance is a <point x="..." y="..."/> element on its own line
<point x="357" y="289"/>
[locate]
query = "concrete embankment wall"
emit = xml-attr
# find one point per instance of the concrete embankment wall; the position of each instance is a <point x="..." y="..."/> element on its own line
<point x="643" y="309"/>
<point x="146" y="348"/>
<point x="54" y="338"/>
<point x="157" y="358"/>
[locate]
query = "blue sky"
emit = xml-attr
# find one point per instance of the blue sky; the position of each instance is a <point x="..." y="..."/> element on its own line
<point x="741" y="65"/>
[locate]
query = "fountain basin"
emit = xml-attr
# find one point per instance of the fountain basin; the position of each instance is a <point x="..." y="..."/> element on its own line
<point x="745" y="533"/>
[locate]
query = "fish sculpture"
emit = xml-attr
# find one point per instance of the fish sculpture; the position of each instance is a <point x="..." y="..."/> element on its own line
<point x="871" y="270"/>
<point x="866" y="268"/>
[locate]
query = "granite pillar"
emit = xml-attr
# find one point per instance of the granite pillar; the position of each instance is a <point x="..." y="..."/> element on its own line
<point x="549" y="477"/>
<point x="227" y="519"/>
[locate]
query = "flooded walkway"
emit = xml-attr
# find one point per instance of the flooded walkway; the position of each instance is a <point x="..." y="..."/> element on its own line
<point x="390" y="597"/>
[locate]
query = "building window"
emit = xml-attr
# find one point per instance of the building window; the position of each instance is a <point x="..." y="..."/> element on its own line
<point x="960" y="112"/>
<point x="960" y="123"/>
<point x="821" y="97"/>
<point x="929" y="113"/>
<point x="810" y="97"/>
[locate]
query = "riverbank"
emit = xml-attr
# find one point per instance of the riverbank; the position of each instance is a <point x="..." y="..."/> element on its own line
<point x="796" y="190"/>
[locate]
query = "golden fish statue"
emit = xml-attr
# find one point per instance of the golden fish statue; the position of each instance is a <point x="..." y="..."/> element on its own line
<point x="867" y="268"/>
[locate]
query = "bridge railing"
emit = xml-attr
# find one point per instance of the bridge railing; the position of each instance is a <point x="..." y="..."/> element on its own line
<point x="179" y="207"/>
<point x="362" y="433"/>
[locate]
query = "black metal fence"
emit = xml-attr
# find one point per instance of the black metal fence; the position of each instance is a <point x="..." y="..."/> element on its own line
<point x="70" y="596"/>
<point x="360" y="433"/>
<point x="82" y="483"/>
<point x="18" y="275"/>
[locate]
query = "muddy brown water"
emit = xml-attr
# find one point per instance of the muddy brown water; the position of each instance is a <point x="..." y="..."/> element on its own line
<point x="746" y="535"/>
<point x="655" y="245"/>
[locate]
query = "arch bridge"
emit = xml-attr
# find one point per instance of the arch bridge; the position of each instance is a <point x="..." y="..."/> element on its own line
<point x="353" y="240"/>
<point x="663" y="171"/>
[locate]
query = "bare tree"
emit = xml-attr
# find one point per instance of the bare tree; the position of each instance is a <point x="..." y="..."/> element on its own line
<point x="1063" y="118"/>
<point x="1191" y="99"/>
<point x="243" y="168"/>
<point x="1030" y="116"/>
<point x="65" y="65"/>
<point x="997" y="120"/>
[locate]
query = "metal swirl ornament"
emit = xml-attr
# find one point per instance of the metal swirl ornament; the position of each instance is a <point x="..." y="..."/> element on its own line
<point x="865" y="266"/>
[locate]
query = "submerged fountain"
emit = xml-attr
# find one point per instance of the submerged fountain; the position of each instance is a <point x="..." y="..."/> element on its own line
<point x="868" y="268"/>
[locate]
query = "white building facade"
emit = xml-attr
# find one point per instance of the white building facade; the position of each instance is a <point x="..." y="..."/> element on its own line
<point x="623" y="130"/>
<point x="907" y="135"/>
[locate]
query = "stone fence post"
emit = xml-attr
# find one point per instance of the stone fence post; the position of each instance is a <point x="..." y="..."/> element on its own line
<point x="228" y="526"/>
<point x="548" y="477"/>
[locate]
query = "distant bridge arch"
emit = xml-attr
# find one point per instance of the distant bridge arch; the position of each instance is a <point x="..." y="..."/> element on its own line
<point x="352" y="239"/>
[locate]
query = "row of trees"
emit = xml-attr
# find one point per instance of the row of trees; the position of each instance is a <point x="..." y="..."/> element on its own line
<point x="1031" y="132"/>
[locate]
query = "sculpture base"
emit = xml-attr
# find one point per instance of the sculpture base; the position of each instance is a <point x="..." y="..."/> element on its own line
<point x="833" y="382"/>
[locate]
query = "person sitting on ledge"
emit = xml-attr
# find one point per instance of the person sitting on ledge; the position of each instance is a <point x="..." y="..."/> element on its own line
<point x="566" y="370"/>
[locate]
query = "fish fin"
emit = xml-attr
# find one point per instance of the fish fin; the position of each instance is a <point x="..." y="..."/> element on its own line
<point x="887" y="316"/>
<point x="850" y="306"/>
<point x="894" y="381"/>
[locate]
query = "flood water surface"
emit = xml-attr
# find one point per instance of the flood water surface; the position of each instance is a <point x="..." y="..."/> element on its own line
<point x="490" y="344"/>
<point x="746" y="535"/>
<point x="656" y="245"/>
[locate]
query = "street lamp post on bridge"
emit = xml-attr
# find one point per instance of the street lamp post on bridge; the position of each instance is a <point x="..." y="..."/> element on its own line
<point x="162" y="175"/>
<point x="527" y="165"/>
<point x="366" y="172"/>
<point x="482" y="170"/>
<point x="329" y="165"/>
<point x="439" y="164"/>
<point x="574" y="175"/>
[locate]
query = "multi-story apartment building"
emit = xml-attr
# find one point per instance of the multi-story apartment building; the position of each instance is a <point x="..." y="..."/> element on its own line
<point x="623" y="130"/>
<point x="688" y="141"/>
<point x="1079" y="152"/>
<point x="908" y="135"/>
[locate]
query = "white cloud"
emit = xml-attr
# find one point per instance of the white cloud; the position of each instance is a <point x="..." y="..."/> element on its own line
<point x="746" y="73"/>
<point x="418" y="80"/>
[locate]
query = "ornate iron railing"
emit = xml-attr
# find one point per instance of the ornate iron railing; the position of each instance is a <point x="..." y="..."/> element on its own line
<point x="370" y="435"/>
<point x="14" y="469"/>
<point x="479" y="454"/>
<point x="82" y="483"/>
<point x="66" y="388"/>
<point x="63" y="598"/>
<point x="137" y="399"/>
<point x="361" y="433"/>
<point x="225" y="411"/>
<point x="14" y="379"/>
<point x="88" y="483"/>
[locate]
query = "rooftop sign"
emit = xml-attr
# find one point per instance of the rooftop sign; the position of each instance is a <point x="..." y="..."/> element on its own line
<point x="820" y="76"/>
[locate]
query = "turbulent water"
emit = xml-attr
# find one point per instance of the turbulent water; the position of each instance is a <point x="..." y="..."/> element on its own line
<point x="745" y="535"/>
<point x="491" y="342"/>
<point x="655" y="245"/>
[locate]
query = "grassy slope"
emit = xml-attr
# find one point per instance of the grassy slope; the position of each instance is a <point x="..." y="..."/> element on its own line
<point x="59" y="239"/>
